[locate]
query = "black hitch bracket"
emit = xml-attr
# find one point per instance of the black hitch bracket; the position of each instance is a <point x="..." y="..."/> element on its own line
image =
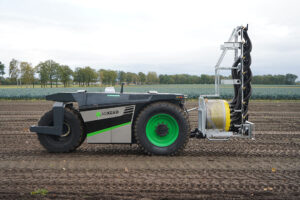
<point x="58" y="120"/>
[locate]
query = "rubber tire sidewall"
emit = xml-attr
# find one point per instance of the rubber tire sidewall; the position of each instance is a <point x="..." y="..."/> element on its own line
<point x="159" y="108"/>
<point x="74" y="138"/>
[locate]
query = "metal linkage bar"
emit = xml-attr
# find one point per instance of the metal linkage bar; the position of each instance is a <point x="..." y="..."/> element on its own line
<point x="227" y="68"/>
<point x="231" y="45"/>
<point x="231" y="81"/>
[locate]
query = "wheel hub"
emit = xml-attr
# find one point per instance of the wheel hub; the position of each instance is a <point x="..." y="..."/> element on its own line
<point x="66" y="130"/>
<point x="162" y="130"/>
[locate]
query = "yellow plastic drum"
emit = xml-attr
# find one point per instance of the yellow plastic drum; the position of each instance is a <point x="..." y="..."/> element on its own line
<point x="217" y="115"/>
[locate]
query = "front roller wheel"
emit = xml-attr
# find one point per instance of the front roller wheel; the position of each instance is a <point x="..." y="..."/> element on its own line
<point x="72" y="136"/>
<point x="162" y="128"/>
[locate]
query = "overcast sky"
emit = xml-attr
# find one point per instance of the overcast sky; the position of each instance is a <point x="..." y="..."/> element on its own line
<point x="166" y="36"/>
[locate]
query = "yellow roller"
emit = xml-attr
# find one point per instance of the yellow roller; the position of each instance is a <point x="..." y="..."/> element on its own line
<point x="217" y="115"/>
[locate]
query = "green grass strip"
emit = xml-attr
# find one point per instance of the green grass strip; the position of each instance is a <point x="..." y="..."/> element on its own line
<point x="107" y="129"/>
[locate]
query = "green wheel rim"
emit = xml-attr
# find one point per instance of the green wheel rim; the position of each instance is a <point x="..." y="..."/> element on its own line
<point x="170" y="137"/>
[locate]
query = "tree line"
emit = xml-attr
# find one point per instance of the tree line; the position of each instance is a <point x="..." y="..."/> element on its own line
<point x="288" y="79"/>
<point x="52" y="73"/>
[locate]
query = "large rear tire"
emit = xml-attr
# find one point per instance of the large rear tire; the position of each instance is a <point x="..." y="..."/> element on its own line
<point x="162" y="128"/>
<point x="73" y="132"/>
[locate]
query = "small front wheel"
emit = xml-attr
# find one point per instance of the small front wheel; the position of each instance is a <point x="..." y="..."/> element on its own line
<point x="162" y="128"/>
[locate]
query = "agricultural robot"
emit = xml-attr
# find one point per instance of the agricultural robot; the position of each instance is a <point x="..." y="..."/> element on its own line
<point x="157" y="122"/>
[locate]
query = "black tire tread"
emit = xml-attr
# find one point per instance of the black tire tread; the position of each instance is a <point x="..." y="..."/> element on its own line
<point x="45" y="119"/>
<point x="171" y="106"/>
<point x="83" y="135"/>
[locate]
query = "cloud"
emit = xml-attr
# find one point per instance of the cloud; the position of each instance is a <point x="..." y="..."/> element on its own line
<point x="165" y="36"/>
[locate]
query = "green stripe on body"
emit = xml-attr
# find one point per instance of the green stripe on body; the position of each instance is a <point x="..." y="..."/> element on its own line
<point x="107" y="129"/>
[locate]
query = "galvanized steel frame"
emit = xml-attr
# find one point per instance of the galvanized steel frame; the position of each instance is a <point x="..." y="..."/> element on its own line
<point x="214" y="134"/>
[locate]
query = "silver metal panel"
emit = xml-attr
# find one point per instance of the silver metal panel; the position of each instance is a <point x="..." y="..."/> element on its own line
<point x="202" y="116"/>
<point x="230" y="81"/>
<point x="249" y="126"/>
<point x="114" y="135"/>
<point x="104" y="137"/>
<point x="216" y="133"/>
<point x="231" y="45"/>
<point x="121" y="134"/>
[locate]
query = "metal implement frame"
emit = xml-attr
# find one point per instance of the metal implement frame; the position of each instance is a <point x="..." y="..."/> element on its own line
<point x="233" y="43"/>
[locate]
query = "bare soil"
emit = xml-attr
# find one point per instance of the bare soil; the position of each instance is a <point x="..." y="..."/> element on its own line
<point x="265" y="168"/>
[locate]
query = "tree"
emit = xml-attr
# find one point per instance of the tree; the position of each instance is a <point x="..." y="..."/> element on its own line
<point x="163" y="79"/>
<point x="132" y="78"/>
<point x="79" y="76"/>
<point x="142" y="77"/>
<point x="14" y="70"/>
<point x="152" y="78"/>
<point x="101" y="76"/>
<point x="52" y="71"/>
<point x="113" y="76"/>
<point x="108" y="76"/>
<point x="135" y="78"/>
<point x="207" y="79"/>
<point x="290" y="79"/>
<point x="27" y="73"/>
<point x="85" y="76"/>
<point x="48" y="71"/>
<point x="56" y="76"/>
<point x="64" y="74"/>
<point x="122" y="76"/>
<point x="129" y="77"/>
<point x="2" y="66"/>
<point x="90" y="75"/>
<point x="42" y="70"/>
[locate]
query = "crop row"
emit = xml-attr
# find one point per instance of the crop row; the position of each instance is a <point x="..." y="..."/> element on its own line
<point x="192" y="91"/>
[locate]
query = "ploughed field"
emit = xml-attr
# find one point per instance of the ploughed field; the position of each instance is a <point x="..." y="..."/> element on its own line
<point x="265" y="168"/>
